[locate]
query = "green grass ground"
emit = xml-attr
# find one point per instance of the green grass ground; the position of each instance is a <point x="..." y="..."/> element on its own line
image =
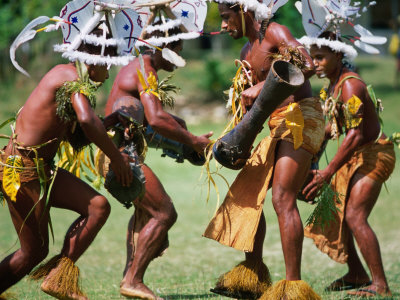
<point x="193" y="263"/>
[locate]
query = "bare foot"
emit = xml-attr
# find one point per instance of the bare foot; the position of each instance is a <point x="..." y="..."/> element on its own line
<point x="139" y="291"/>
<point x="56" y="294"/>
<point x="371" y="291"/>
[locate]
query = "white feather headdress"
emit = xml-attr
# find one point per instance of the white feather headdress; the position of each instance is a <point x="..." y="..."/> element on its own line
<point x="263" y="10"/>
<point x="189" y="15"/>
<point x="331" y="15"/>
<point x="77" y="19"/>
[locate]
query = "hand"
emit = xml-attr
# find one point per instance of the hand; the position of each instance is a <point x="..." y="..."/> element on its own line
<point x="202" y="142"/>
<point x="122" y="169"/>
<point x="319" y="178"/>
<point x="250" y="95"/>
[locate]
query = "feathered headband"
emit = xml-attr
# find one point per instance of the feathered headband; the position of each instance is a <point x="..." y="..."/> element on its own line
<point x="77" y="19"/>
<point x="263" y="10"/>
<point x="188" y="15"/>
<point x="330" y="15"/>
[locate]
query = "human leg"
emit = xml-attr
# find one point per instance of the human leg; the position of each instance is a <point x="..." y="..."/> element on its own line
<point x="250" y="278"/>
<point x="32" y="234"/>
<point x="129" y="244"/>
<point x="152" y="236"/>
<point x="290" y="171"/>
<point x="356" y="277"/>
<point x="73" y="194"/>
<point x="60" y="273"/>
<point x="363" y="195"/>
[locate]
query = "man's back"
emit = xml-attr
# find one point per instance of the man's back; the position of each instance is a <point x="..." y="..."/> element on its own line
<point x="127" y="82"/>
<point x="37" y="122"/>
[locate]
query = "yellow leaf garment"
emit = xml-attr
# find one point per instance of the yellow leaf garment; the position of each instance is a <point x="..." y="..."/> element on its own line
<point x="11" y="178"/>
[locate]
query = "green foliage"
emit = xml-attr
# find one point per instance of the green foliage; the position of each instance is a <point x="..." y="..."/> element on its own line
<point x="289" y="16"/>
<point x="65" y="111"/>
<point x="326" y="210"/>
<point x="165" y="88"/>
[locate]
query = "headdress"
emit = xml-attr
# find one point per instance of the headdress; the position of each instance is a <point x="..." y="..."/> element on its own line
<point x="334" y="15"/>
<point x="263" y="10"/>
<point x="77" y="20"/>
<point x="164" y="15"/>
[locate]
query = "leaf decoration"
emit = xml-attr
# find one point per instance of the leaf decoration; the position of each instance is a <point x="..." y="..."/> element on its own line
<point x="165" y="89"/>
<point x="353" y="112"/>
<point x="295" y="123"/>
<point x="11" y="178"/>
<point x="326" y="210"/>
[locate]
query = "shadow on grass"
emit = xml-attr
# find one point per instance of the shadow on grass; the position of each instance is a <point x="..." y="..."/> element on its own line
<point x="188" y="296"/>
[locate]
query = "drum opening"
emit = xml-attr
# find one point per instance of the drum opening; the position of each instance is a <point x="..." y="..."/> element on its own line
<point x="288" y="72"/>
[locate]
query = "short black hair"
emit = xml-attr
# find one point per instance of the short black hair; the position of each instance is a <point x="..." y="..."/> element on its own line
<point x="96" y="50"/>
<point x="159" y="33"/>
<point x="329" y="35"/>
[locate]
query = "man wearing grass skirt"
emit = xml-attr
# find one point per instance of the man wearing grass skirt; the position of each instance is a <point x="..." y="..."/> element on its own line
<point x="154" y="215"/>
<point x="281" y="161"/>
<point x="61" y="108"/>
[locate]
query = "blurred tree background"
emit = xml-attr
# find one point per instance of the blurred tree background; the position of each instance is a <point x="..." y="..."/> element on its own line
<point x="212" y="56"/>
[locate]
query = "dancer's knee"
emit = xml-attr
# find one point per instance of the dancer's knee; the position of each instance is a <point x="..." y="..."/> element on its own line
<point x="169" y="216"/>
<point x="283" y="201"/>
<point x="100" y="209"/>
<point x="355" y="220"/>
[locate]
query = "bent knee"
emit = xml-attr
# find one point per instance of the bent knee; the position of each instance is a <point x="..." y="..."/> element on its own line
<point x="100" y="208"/>
<point x="354" y="219"/>
<point x="283" y="202"/>
<point x="168" y="216"/>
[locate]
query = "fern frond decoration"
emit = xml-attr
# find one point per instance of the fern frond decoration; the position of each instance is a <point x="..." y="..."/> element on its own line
<point x="326" y="209"/>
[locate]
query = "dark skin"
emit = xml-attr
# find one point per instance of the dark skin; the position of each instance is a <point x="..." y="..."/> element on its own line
<point x="363" y="191"/>
<point x="36" y="124"/>
<point x="291" y="166"/>
<point x="156" y="201"/>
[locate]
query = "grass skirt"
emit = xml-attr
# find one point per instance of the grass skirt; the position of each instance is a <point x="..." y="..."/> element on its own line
<point x="63" y="280"/>
<point x="290" y="290"/>
<point x="244" y="278"/>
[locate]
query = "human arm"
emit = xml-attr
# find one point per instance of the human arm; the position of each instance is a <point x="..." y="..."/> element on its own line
<point x="354" y="139"/>
<point x="166" y="125"/>
<point x="180" y="121"/>
<point x="96" y="133"/>
<point x="283" y="40"/>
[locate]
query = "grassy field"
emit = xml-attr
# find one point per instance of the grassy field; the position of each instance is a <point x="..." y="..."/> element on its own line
<point x="192" y="263"/>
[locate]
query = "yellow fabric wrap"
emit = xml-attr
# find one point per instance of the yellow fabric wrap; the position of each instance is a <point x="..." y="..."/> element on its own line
<point x="149" y="87"/>
<point x="236" y="221"/>
<point x="376" y="161"/>
<point x="352" y="111"/>
<point x="295" y="123"/>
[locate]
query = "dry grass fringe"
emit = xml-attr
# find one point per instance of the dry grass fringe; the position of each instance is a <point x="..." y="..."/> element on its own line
<point x="66" y="280"/>
<point x="290" y="290"/>
<point x="244" y="278"/>
<point x="44" y="269"/>
<point x="63" y="282"/>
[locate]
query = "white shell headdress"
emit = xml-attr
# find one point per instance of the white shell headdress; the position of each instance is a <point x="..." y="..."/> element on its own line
<point x="77" y="19"/>
<point x="331" y="15"/>
<point x="263" y="10"/>
<point x="189" y="15"/>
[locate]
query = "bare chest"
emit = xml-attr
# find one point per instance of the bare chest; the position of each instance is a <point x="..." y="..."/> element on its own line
<point x="259" y="57"/>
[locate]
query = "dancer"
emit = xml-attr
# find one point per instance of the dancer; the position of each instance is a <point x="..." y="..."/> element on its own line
<point x="155" y="213"/>
<point x="61" y="108"/>
<point x="364" y="160"/>
<point x="281" y="161"/>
